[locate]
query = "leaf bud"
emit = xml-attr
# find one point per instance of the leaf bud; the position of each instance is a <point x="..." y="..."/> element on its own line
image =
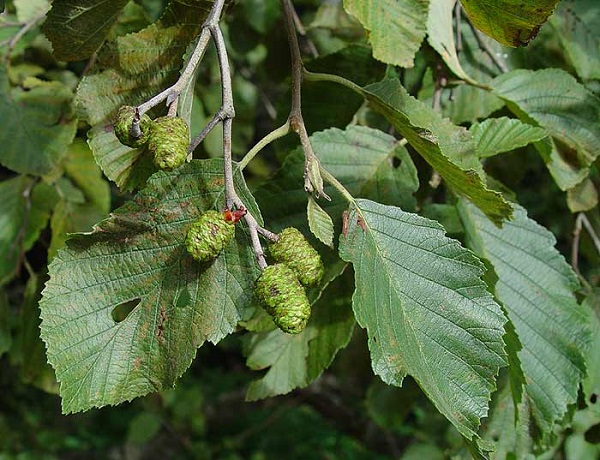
<point x="208" y="236"/>
<point x="295" y="251"/>
<point x="283" y="298"/>
<point x="123" y="125"/>
<point x="168" y="142"/>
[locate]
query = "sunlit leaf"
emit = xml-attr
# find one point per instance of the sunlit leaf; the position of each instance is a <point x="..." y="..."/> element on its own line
<point x="447" y="148"/>
<point x="499" y="135"/>
<point x="37" y="125"/>
<point x="511" y="22"/>
<point x="389" y="23"/>
<point x="427" y="312"/>
<point x="319" y="222"/>
<point x="137" y="259"/>
<point x="536" y="286"/>
<point x="565" y="108"/>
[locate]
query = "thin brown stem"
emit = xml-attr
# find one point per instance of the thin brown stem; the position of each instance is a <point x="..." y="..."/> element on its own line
<point x="313" y="182"/>
<point x="228" y="113"/>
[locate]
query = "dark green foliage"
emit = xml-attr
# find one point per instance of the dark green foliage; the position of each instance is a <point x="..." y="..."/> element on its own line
<point x="293" y="250"/>
<point x="282" y="297"/>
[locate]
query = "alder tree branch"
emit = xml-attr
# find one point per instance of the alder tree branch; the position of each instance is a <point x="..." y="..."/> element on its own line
<point x="10" y="43"/>
<point x="313" y="182"/>
<point x="228" y="113"/>
<point x="171" y="94"/>
<point x="225" y="115"/>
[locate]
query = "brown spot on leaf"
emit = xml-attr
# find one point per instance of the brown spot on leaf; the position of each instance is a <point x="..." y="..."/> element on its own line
<point x="160" y="327"/>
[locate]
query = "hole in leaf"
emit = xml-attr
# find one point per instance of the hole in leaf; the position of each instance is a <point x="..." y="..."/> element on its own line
<point x="593" y="398"/>
<point x="121" y="311"/>
<point x="396" y="162"/>
<point x="593" y="435"/>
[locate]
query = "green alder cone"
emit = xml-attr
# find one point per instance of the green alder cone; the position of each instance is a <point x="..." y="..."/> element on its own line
<point x="168" y="142"/>
<point x="282" y="297"/>
<point x="123" y="125"/>
<point x="208" y="236"/>
<point x="293" y="249"/>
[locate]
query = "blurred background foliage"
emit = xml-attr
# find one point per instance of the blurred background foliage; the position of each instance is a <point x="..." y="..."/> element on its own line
<point x="347" y="413"/>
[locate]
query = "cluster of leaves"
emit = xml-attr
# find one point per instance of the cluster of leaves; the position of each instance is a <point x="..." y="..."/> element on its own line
<point x="463" y="296"/>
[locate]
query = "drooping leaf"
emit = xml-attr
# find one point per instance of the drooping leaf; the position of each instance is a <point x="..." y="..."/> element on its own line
<point x="511" y="22"/>
<point x="126" y="306"/>
<point x="536" y="286"/>
<point x="440" y="35"/>
<point x="85" y="173"/>
<point x="389" y="23"/>
<point x="468" y="103"/>
<point x="127" y="167"/>
<point x="582" y="197"/>
<point x="78" y="28"/>
<point x="558" y="103"/>
<point x="319" y="222"/>
<point x="576" y="24"/>
<point x="427" y="312"/>
<point x="37" y="125"/>
<point x="499" y="135"/>
<point x="294" y="361"/>
<point x="444" y="146"/>
<point x="24" y="211"/>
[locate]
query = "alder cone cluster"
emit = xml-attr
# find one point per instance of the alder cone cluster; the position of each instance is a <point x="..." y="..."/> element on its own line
<point x="168" y="142"/>
<point x="123" y="125"/>
<point x="295" y="251"/>
<point x="208" y="236"/>
<point x="283" y="298"/>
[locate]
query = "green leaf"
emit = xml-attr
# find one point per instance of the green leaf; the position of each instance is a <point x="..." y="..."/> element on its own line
<point x="85" y="173"/>
<point x="558" y="103"/>
<point x="71" y="217"/>
<point x="78" y="28"/>
<point x="536" y="286"/>
<point x="427" y="312"/>
<point x="444" y="146"/>
<point x="511" y="22"/>
<point x="5" y="323"/>
<point x="30" y="9"/>
<point x="319" y="222"/>
<point x="511" y="435"/>
<point x="498" y="135"/>
<point x="390" y="23"/>
<point x="24" y="211"/>
<point x="128" y="168"/>
<point x="440" y="35"/>
<point x="104" y="352"/>
<point x="576" y="24"/>
<point x="137" y="66"/>
<point x="467" y="103"/>
<point x="361" y="158"/>
<point x="28" y="349"/>
<point x="37" y="125"/>
<point x="582" y="197"/>
<point x="591" y="383"/>
<point x="294" y="361"/>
